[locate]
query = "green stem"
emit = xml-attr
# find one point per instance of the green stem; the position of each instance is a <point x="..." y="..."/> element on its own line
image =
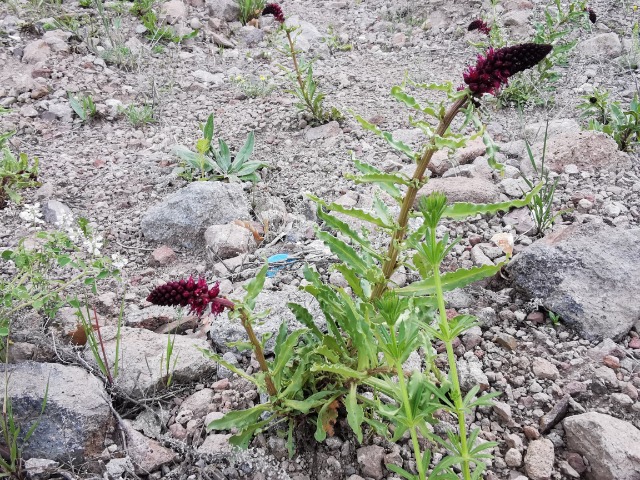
<point x="393" y="250"/>
<point x="257" y="348"/>
<point x="296" y="68"/>
<point x="409" y="413"/>
<point x="457" y="392"/>
<point x="56" y="290"/>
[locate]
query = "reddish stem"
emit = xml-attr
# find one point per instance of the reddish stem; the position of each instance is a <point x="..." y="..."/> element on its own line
<point x="104" y="353"/>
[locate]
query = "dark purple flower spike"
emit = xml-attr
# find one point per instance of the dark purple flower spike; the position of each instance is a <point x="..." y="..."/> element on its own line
<point x="196" y="295"/>
<point x="494" y="69"/>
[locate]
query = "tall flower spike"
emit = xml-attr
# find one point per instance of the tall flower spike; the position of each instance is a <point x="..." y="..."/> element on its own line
<point x="494" y="69"/>
<point x="480" y="25"/>
<point x="196" y="295"/>
<point x="275" y="10"/>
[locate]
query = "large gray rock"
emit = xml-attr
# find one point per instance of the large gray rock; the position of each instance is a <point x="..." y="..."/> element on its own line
<point x="141" y="355"/>
<point x="602" y="47"/>
<point x="611" y="446"/>
<point x="182" y="218"/>
<point x="225" y="9"/>
<point x="228" y="241"/>
<point x="77" y="415"/>
<point x="223" y="331"/>
<point x="586" y="274"/>
<point x="588" y="150"/>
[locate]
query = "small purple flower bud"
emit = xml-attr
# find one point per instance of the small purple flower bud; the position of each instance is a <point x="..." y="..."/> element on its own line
<point x="275" y="10"/>
<point x="480" y="25"/>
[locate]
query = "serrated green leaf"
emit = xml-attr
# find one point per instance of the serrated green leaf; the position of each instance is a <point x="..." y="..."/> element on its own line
<point x="396" y="144"/>
<point x="239" y="418"/>
<point x="351" y="212"/>
<point x="355" y="413"/>
<point x="305" y="318"/>
<point x="399" y="94"/>
<point x="341" y="370"/>
<point x="461" y="210"/>
<point x="343" y="251"/>
<point x="450" y="281"/>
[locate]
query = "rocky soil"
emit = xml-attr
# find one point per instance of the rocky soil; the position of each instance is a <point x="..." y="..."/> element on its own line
<point x="570" y="406"/>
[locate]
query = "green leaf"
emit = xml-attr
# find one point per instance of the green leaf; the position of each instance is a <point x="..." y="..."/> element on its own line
<point x="223" y="156"/>
<point x="254" y="287"/>
<point x="249" y="167"/>
<point x="242" y="439"/>
<point x="239" y="418"/>
<point x="207" y="131"/>
<point x="285" y="352"/>
<point x="367" y="169"/>
<point x="398" y="93"/>
<point x="351" y="212"/>
<point x="346" y="230"/>
<point x="450" y="281"/>
<point x="341" y="370"/>
<point x="325" y="415"/>
<point x="77" y="107"/>
<point x="355" y="413"/>
<point x="305" y="318"/>
<point x="343" y="251"/>
<point x="245" y="152"/>
<point x="400" y="471"/>
<point x="396" y="144"/>
<point x="463" y="210"/>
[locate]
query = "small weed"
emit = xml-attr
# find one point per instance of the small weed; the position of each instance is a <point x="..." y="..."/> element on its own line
<point x="84" y="107"/>
<point x="85" y="3"/>
<point x="554" y="317"/>
<point x="252" y="87"/>
<point x="167" y="367"/>
<point x="541" y="206"/>
<point x="139" y="115"/>
<point x="334" y="43"/>
<point x="16" y="172"/>
<point x="305" y="87"/>
<point x="610" y="118"/>
<point x="11" y="462"/>
<point x="211" y="163"/>
<point x="250" y="9"/>
<point x="159" y="33"/>
<point x="141" y="7"/>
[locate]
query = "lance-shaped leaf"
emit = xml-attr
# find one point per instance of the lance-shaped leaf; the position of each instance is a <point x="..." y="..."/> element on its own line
<point x="399" y="94"/>
<point x="351" y="212"/>
<point x="239" y="418"/>
<point x="396" y="144"/>
<point x="367" y="169"/>
<point x="346" y="230"/>
<point x="343" y="251"/>
<point x="355" y="413"/>
<point x="450" y="281"/>
<point x="463" y="210"/>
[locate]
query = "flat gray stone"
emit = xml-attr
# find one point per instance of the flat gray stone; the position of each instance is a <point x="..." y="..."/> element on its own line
<point x="587" y="150"/>
<point x="183" y="217"/>
<point x="605" y="46"/>
<point x="611" y="446"/>
<point x="141" y="354"/>
<point x="582" y="273"/>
